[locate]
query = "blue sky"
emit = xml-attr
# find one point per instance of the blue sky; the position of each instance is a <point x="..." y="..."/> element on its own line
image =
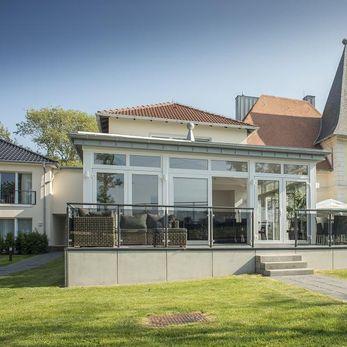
<point x="91" y="55"/>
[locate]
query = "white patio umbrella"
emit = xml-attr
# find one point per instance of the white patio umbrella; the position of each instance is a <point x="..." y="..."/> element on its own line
<point x="331" y="204"/>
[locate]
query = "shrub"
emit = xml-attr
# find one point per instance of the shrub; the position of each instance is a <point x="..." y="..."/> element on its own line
<point x="9" y="241"/>
<point x="2" y="244"/>
<point x="32" y="243"/>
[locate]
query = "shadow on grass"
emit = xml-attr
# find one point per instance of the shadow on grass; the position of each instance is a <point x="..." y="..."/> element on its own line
<point x="51" y="274"/>
<point x="91" y="331"/>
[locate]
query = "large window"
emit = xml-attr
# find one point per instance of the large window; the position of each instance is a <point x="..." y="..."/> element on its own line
<point x="188" y="164"/>
<point x="6" y="226"/>
<point x="145" y="161"/>
<point x="110" y="188"/>
<point x="145" y="189"/>
<point x="226" y="165"/>
<point x="190" y="191"/>
<point x="293" y="169"/>
<point x="109" y="159"/>
<point x="24" y="225"/>
<point x="268" y="168"/>
<point x="25" y="194"/>
<point x="8" y="187"/>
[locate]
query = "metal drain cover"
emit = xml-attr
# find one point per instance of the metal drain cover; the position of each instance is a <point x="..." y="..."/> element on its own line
<point x="176" y="319"/>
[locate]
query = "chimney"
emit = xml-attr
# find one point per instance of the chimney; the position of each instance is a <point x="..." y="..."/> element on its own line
<point x="243" y="104"/>
<point x="311" y="99"/>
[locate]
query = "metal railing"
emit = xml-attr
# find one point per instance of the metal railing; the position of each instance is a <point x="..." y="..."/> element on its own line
<point x="320" y="227"/>
<point x="25" y="197"/>
<point x="152" y="225"/>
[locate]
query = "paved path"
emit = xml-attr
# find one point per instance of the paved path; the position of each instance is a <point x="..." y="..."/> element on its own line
<point x="30" y="263"/>
<point x="331" y="286"/>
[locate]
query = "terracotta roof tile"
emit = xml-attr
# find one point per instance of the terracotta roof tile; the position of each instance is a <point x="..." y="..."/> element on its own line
<point x="173" y="111"/>
<point x="284" y="122"/>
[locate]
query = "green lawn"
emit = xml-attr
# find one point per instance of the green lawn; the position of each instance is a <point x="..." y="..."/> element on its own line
<point x="4" y="259"/>
<point x="246" y="310"/>
<point x="336" y="273"/>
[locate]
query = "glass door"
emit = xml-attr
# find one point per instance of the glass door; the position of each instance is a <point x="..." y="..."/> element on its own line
<point x="296" y="199"/>
<point x="268" y="210"/>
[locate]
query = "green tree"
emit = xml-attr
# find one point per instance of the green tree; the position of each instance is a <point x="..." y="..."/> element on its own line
<point x="5" y="134"/>
<point x="50" y="129"/>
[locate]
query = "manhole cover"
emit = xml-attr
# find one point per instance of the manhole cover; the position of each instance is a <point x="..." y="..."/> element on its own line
<point x="176" y="319"/>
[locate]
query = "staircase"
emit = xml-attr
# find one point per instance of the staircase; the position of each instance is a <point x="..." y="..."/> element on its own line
<point x="281" y="265"/>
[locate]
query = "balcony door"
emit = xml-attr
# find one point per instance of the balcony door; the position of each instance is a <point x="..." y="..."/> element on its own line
<point x="276" y="201"/>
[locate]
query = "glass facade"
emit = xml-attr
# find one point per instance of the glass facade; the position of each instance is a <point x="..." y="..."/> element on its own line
<point x="188" y="164"/>
<point x="110" y="188"/>
<point x="109" y="159"/>
<point x="226" y="165"/>
<point x="270" y="168"/>
<point x="144" y="189"/>
<point x="145" y="161"/>
<point x="293" y="169"/>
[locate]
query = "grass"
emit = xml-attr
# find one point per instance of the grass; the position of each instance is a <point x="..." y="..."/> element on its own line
<point x="16" y="258"/>
<point x="336" y="273"/>
<point x="247" y="311"/>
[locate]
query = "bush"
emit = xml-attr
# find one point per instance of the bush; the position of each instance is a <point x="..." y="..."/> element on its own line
<point x="32" y="243"/>
<point x="9" y="241"/>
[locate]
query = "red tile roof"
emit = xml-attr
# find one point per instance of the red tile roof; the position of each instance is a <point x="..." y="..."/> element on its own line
<point x="173" y="111"/>
<point x="286" y="123"/>
<point x="283" y="122"/>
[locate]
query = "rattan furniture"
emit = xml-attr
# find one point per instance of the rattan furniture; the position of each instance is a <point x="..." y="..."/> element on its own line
<point x="176" y="237"/>
<point x="94" y="231"/>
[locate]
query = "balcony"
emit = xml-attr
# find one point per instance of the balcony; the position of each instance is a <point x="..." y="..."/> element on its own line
<point x="158" y="226"/>
<point x="20" y="197"/>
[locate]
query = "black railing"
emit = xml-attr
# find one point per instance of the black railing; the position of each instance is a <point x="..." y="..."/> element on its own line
<point x="321" y="227"/>
<point x="25" y="197"/>
<point x="152" y="225"/>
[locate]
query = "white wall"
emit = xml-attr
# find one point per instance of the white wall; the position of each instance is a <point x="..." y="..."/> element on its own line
<point x="149" y="128"/>
<point x="42" y="186"/>
<point x="67" y="187"/>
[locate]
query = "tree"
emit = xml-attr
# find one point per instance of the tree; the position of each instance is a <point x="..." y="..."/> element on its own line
<point x="50" y="129"/>
<point x="5" y="134"/>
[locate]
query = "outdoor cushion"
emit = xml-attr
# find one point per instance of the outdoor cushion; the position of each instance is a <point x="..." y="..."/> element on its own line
<point x="155" y="221"/>
<point x="103" y="213"/>
<point x="137" y="221"/>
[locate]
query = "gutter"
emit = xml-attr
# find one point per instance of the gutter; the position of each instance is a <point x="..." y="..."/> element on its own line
<point x="219" y="145"/>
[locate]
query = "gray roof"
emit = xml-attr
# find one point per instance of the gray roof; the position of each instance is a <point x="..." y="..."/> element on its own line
<point x="334" y="118"/>
<point x="9" y="152"/>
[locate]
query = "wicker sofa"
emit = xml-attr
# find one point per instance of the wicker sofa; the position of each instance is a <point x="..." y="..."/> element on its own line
<point x="94" y="231"/>
<point x="100" y="229"/>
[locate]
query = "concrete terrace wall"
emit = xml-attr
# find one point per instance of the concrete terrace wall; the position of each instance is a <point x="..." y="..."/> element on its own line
<point x="90" y="267"/>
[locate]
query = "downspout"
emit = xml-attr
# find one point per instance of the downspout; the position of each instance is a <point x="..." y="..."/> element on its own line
<point x="44" y="198"/>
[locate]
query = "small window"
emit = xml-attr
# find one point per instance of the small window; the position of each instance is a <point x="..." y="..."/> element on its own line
<point x="225" y="165"/>
<point x="293" y="169"/>
<point x="145" y="161"/>
<point x="268" y="168"/>
<point x="24" y="225"/>
<point x="109" y="159"/>
<point x="188" y="164"/>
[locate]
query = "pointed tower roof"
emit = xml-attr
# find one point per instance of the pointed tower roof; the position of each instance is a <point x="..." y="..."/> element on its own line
<point x="334" y="118"/>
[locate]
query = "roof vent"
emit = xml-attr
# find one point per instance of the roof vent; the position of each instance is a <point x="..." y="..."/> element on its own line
<point x="190" y="135"/>
<point x="311" y="99"/>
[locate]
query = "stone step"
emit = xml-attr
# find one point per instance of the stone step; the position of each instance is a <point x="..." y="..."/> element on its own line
<point x="288" y="272"/>
<point x="283" y="265"/>
<point x="267" y="258"/>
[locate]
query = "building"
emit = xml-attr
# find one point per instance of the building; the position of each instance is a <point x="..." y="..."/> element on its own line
<point x="34" y="192"/>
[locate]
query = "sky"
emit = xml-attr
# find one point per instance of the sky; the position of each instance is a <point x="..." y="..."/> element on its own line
<point x="93" y="55"/>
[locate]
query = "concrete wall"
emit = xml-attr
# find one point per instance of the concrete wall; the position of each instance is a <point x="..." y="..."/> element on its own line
<point x="150" y="128"/>
<point x="87" y="267"/>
